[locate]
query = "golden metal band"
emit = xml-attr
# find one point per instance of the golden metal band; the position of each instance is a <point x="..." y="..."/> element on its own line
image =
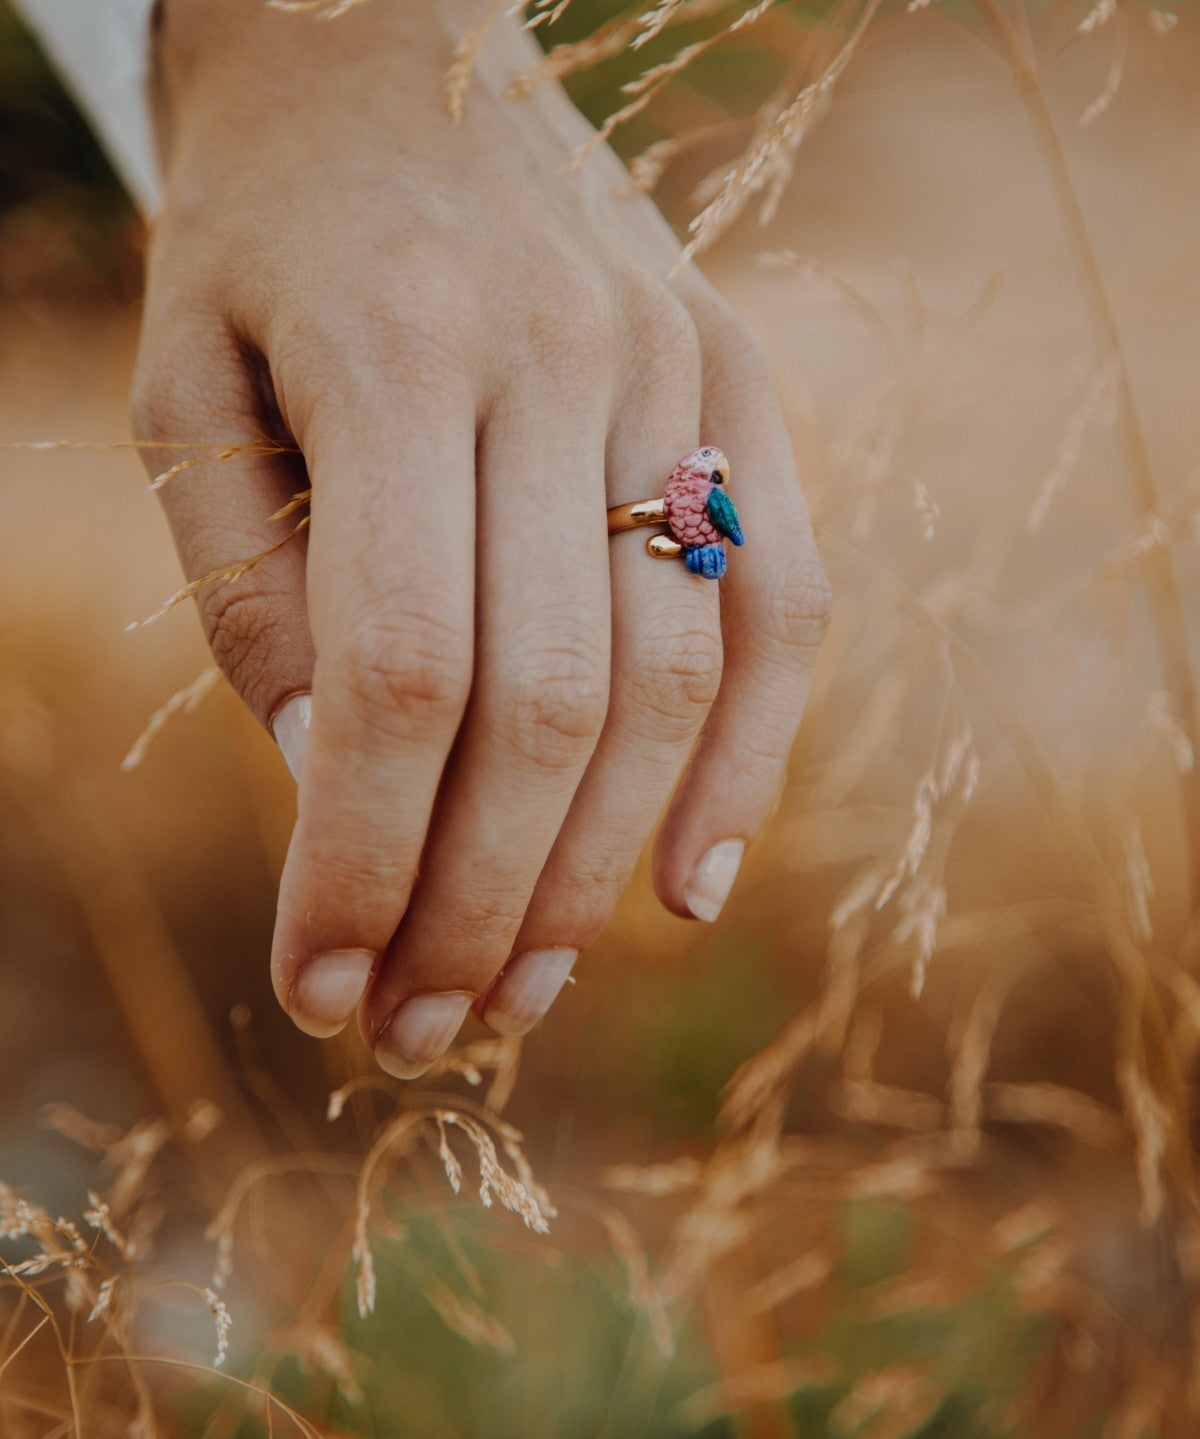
<point x="641" y="512"/>
<point x="645" y="512"/>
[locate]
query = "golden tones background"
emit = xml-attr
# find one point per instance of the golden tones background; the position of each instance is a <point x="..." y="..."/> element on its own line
<point x="961" y="434"/>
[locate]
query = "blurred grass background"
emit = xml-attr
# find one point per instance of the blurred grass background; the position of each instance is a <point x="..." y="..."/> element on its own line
<point x="907" y="1266"/>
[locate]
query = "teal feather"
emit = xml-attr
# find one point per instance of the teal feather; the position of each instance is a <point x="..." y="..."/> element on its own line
<point x="723" y="515"/>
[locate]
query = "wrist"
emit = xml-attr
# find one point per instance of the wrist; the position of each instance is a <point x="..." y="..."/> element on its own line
<point x="227" y="75"/>
<point x="236" y="82"/>
<point x="242" y="65"/>
<point x="199" y="41"/>
<point x="190" y="33"/>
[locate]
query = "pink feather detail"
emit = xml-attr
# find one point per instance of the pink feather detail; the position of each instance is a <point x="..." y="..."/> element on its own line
<point x="685" y="501"/>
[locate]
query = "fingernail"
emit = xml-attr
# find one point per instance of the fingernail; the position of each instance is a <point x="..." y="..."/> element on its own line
<point x="528" y="987"/>
<point x="712" y="879"/>
<point x="290" y="728"/>
<point x="327" y="990"/>
<point x="419" y="1032"/>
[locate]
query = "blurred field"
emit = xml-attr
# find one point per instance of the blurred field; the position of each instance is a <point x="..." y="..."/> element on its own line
<point x="968" y="1211"/>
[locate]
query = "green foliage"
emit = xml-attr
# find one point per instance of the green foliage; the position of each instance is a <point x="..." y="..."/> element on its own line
<point x="876" y="1241"/>
<point x="683" y="1035"/>
<point x="734" y="76"/>
<point x="974" y="1355"/>
<point x="583" y="1363"/>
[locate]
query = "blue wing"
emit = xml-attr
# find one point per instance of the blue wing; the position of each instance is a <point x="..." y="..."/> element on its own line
<point x="724" y="516"/>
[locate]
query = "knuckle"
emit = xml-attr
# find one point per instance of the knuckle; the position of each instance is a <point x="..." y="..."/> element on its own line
<point x="569" y="329"/>
<point x="576" y="913"/>
<point x="244" y="628"/>
<point x="188" y="370"/>
<point x="359" y="863"/>
<point x="665" y="338"/>
<point x="487" y="924"/>
<point x="801" y="607"/>
<point x="599" y="878"/>
<point x="554" y="705"/>
<point x="480" y="930"/>
<point x="161" y="400"/>
<point x="674" y="682"/>
<point x="150" y="409"/>
<point x="373" y="347"/>
<point x="419" y="340"/>
<point x="406" y="673"/>
<point x="735" y="359"/>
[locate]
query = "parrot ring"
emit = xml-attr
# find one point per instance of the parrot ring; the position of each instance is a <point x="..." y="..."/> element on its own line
<point x="698" y="514"/>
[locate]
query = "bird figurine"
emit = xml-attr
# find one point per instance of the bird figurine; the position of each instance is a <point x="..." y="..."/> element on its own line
<point x="698" y="512"/>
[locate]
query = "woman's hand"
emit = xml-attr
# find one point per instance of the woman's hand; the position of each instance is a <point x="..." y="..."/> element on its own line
<point x="476" y="353"/>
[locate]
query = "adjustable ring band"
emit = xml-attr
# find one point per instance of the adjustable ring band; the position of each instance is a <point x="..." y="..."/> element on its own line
<point x="697" y="512"/>
<point x="631" y="517"/>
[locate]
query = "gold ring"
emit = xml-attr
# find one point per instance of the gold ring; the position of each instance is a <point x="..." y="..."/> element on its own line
<point x="697" y="512"/>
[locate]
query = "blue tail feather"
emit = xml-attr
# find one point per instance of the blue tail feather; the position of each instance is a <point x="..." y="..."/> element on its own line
<point x="708" y="561"/>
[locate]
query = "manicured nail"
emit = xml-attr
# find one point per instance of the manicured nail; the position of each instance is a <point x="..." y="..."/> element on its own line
<point x="712" y="879"/>
<point x="290" y="728"/>
<point x="327" y="990"/>
<point x="528" y="987"/>
<point x="420" y="1032"/>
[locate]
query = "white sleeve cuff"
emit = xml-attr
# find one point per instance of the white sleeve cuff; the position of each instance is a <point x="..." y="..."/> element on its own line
<point x="101" y="49"/>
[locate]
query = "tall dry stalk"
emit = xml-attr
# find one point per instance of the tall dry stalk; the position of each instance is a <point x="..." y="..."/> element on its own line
<point x="1150" y="1075"/>
<point x="1014" y="35"/>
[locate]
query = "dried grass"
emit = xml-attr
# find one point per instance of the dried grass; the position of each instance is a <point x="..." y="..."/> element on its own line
<point x="764" y="1203"/>
<point x="87" y="1286"/>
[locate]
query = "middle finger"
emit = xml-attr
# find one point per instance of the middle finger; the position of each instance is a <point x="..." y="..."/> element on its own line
<point x="536" y="711"/>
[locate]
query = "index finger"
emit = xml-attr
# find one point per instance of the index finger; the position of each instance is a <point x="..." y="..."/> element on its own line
<point x="391" y="601"/>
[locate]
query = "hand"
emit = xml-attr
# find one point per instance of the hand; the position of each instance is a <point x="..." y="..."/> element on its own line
<point x="475" y="354"/>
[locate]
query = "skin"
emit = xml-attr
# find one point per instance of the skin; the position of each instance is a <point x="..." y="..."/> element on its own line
<point x="475" y="354"/>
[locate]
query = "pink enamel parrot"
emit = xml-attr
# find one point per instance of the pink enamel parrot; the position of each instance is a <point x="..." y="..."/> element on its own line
<point x="699" y="514"/>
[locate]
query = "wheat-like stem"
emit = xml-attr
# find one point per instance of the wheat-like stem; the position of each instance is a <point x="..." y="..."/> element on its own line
<point x="1144" y="1040"/>
<point x="270" y="1400"/>
<point x="183" y="701"/>
<point x="1166" y="606"/>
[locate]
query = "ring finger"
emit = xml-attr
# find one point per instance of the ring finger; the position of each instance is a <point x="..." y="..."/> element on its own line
<point x="666" y="670"/>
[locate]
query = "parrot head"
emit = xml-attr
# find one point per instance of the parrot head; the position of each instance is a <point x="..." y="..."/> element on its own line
<point x="712" y="460"/>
